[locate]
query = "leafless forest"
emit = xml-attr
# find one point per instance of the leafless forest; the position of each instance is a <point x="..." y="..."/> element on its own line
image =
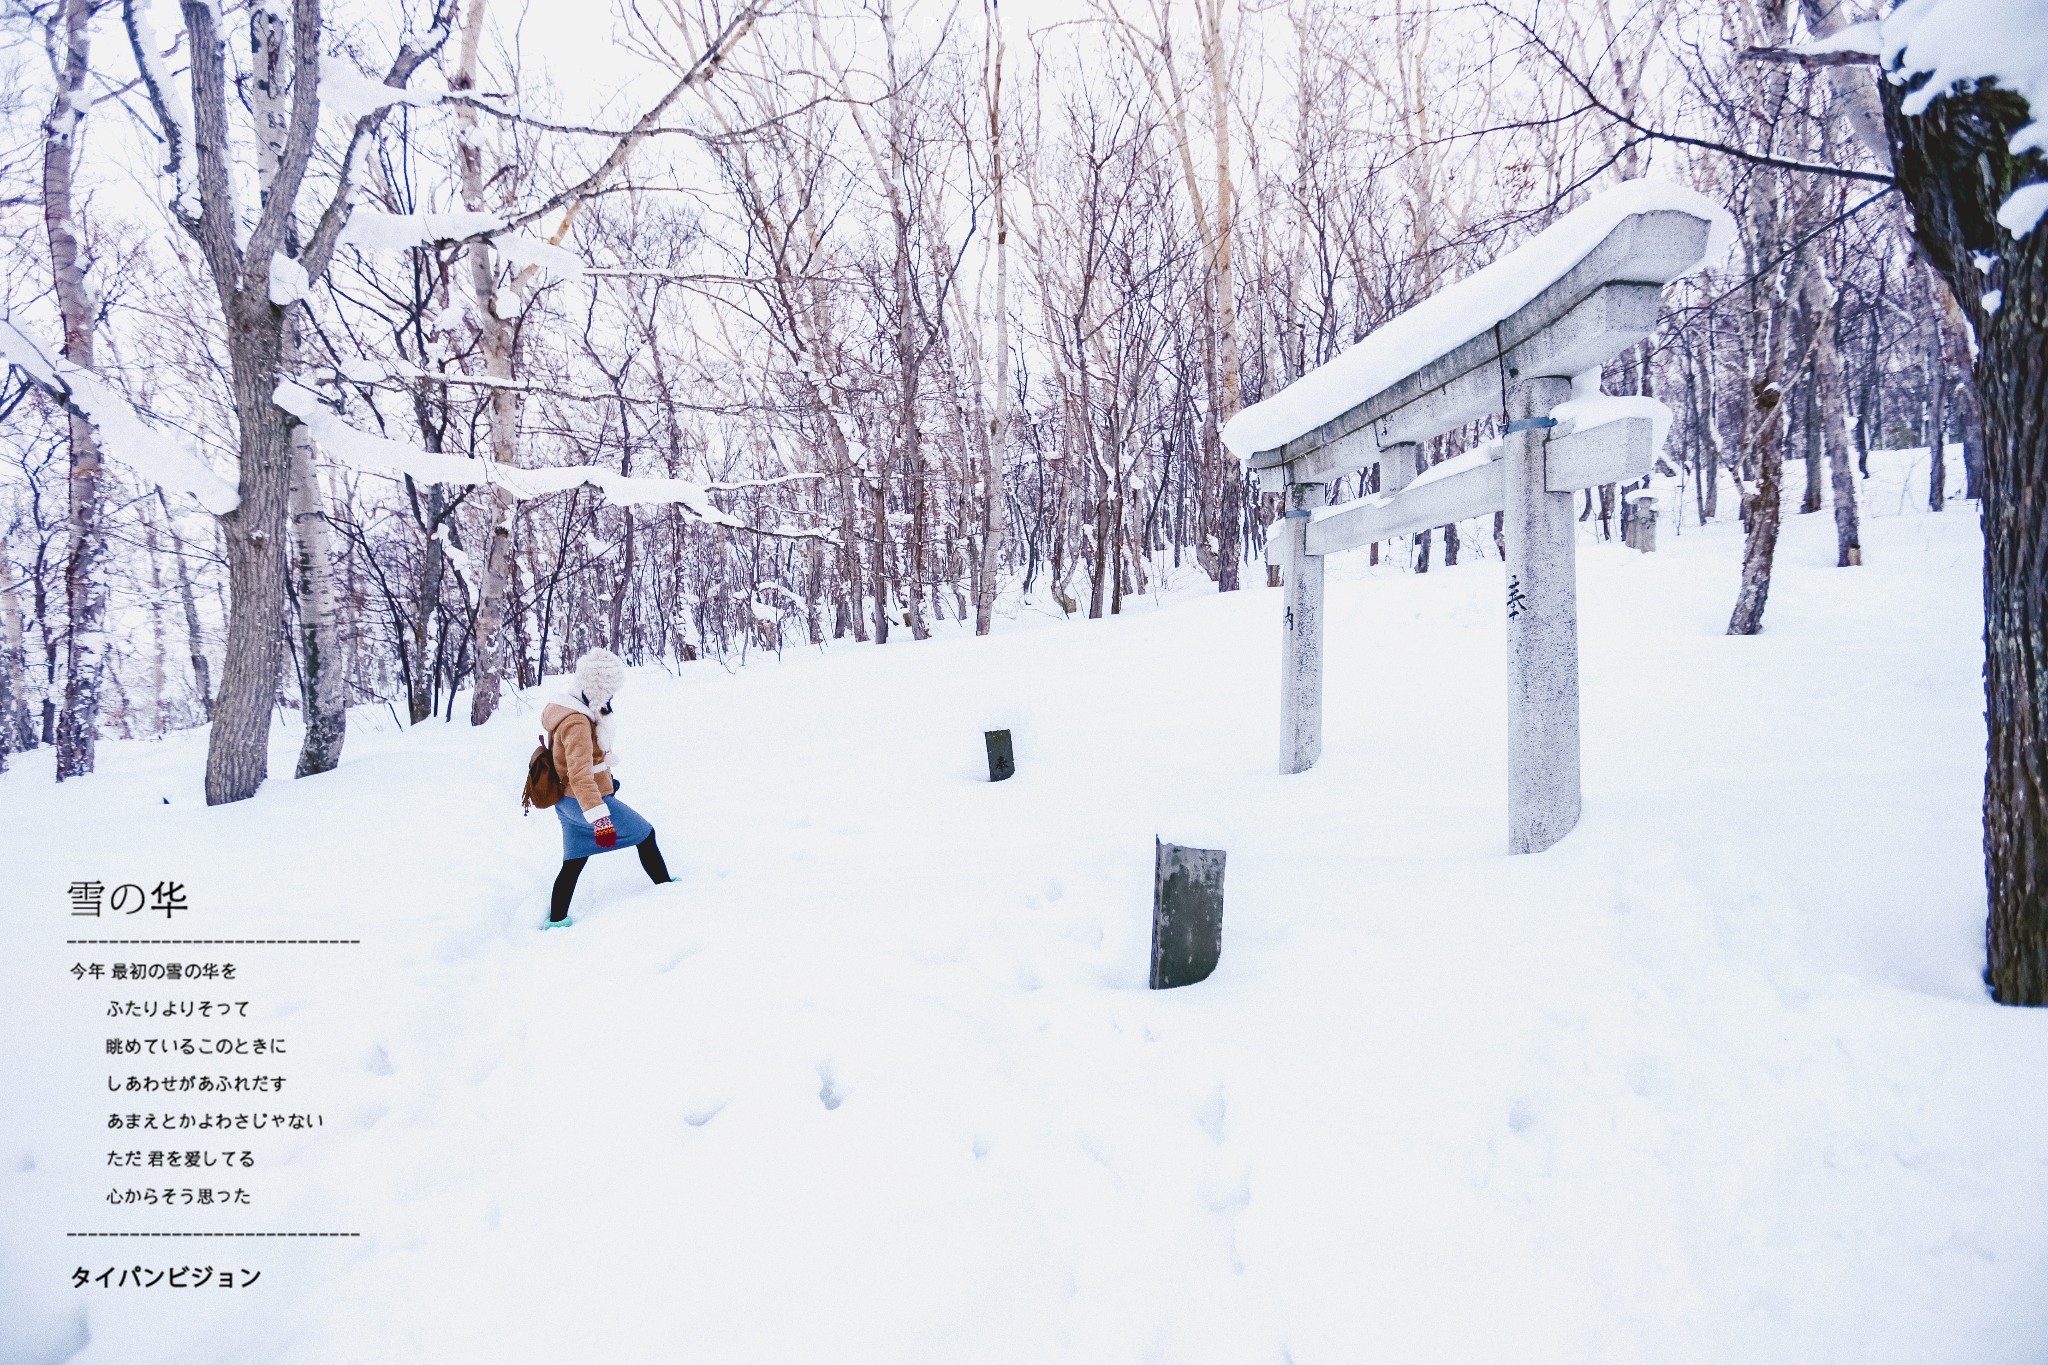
<point x="893" y="318"/>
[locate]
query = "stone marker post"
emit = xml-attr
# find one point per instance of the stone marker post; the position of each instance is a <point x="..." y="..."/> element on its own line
<point x="1301" y="650"/>
<point x="1002" y="758"/>
<point x="1642" y="522"/>
<point x="1187" y="914"/>
<point x="1543" y="627"/>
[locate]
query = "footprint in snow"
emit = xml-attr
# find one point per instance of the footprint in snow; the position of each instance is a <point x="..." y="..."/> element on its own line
<point x="829" y="1093"/>
<point x="675" y="960"/>
<point x="1212" y="1115"/>
<point x="1228" y="1191"/>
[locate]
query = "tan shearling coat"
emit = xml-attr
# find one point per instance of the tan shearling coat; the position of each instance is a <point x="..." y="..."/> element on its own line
<point x="584" y="766"/>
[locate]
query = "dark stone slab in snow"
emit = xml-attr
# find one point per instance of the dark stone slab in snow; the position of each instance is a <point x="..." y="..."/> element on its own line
<point x="1187" y="914"/>
<point x="1002" y="759"/>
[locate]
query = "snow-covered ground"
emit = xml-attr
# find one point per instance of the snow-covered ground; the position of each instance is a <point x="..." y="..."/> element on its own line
<point x="1713" y="1080"/>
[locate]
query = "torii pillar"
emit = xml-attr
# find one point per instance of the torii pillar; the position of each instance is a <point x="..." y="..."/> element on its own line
<point x="1543" y="626"/>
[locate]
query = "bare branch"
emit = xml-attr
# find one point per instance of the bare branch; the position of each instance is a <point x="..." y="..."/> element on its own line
<point x="1812" y="61"/>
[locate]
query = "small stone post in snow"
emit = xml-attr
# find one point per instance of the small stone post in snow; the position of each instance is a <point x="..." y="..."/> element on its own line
<point x="1642" y="521"/>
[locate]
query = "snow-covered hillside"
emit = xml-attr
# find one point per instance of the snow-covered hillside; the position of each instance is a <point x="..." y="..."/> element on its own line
<point x="1712" y="1080"/>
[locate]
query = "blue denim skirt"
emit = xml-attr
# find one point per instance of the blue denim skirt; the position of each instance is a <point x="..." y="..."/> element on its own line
<point x="580" y="841"/>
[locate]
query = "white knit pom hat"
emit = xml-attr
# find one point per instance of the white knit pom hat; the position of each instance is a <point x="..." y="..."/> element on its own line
<point x="599" y="676"/>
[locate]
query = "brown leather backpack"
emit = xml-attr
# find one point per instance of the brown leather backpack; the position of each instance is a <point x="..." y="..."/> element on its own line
<point x="544" y="785"/>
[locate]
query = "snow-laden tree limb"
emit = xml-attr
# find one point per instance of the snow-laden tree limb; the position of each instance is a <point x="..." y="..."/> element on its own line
<point x="368" y="371"/>
<point x="174" y="108"/>
<point x="379" y="454"/>
<point x="375" y="230"/>
<point x="353" y="94"/>
<point x="155" y="455"/>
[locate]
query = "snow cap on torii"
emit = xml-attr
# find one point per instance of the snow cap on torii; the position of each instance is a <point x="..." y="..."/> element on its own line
<point x="1414" y="362"/>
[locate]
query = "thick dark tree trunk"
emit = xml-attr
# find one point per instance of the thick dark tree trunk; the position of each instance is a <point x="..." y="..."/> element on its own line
<point x="238" y="748"/>
<point x="1956" y="168"/>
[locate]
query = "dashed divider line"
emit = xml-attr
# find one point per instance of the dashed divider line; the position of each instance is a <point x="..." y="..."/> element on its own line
<point x="212" y="940"/>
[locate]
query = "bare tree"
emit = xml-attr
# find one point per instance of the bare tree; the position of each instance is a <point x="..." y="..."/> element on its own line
<point x="194" y="128"/>
<point x="69" y="40"/>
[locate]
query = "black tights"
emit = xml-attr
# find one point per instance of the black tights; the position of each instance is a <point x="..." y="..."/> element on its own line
<point x="572" y="868"/>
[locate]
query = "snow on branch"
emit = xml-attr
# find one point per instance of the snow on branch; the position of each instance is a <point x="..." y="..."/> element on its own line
<point x="369" y="370"/>
<point x="170" y="98"/>
<point x="155" y="455"/>
<point x="375" y="230"/>
<point x="740" y="485"/>
<point x="347" y="91"/>
<point x="381" y="455"/>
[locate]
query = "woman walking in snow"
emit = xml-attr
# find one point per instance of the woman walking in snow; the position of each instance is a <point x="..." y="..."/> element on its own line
<point x="581" y="734"/>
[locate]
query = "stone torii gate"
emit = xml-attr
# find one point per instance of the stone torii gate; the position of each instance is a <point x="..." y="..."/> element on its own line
<point x="1505" y="342"/>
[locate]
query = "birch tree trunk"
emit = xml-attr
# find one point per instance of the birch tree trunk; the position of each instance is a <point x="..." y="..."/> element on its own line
<point x="993" y="507"/>
<point x="13" y="658"/>
<point x="1809" y="496"/>
<point x="1832" y="430"/>
<point x="1230" y="544"/>
<point x="1154" y="55"/>
<point x="85" y="594"/>
<point x="202" y="671"/>
<point x="323" y="671"/>
<point x="159" y="721"/>
<point x="322" y="696"/>
<point x="1770" y="333"/>
<point x="495" y="342"/>
<point x="1760" y="542"/>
